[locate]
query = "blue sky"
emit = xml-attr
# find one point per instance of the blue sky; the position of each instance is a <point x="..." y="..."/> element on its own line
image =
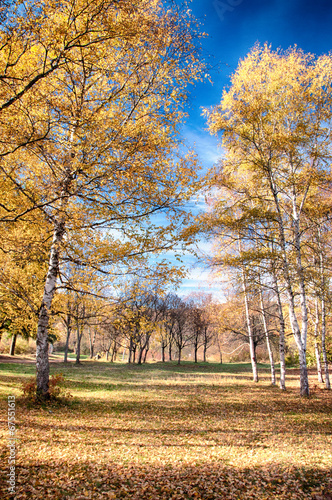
<point x="234" y="26"/>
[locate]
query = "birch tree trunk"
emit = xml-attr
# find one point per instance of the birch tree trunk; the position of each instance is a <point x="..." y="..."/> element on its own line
<point x="323" y="308"/>
<point x="317" y="351"/>
<point x="326" y="365"/>
<point x="281" y="332"/>
<point x="300" y="339"/>
<point x="302" y="342"/>
<point x="42" y="362"/>
<point x="250" y="333"/>
<point x="266" y="331"/>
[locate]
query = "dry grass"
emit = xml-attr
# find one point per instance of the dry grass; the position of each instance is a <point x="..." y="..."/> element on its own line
<point x="168" y="432"/>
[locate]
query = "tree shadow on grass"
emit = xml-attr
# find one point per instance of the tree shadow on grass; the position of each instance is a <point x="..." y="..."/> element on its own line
<point x="209" y="481"/>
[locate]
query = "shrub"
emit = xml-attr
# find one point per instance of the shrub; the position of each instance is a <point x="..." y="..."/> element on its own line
<point x="57" y="391"/>
<point x="292" y="359"/>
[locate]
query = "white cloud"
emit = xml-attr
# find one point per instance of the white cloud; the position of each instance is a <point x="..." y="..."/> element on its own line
<point x="205" y="145"/>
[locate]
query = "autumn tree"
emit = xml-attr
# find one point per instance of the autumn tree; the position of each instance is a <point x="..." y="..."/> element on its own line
<point x="274" y="122"/>
<point x="201" y="322"/>
<point x="106" y="157"/>
<point x="23" y="250"/>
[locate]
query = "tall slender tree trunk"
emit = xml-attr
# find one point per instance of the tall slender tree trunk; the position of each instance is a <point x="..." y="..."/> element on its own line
<point x="140" y="355"/>
<point x="326" y="365"/>
<point x="146" y="352"/>
<point x="42" y="361"/>
<point x="130" y="351"/>
<point x="250" y="332"/>
<point x="317" y="350"/>
<point x="195" y="352"/>
<point x="170" y="351"/>
<point x="204" y="352"/>
<point x="114" y="352"/>
<point x="143" y="348"/>
<point x="13" y="345"/>
<point x="304" y="312"/>
<point x="68" y="324"/>
<point x="163" y="352"/>
<point x="179" y="355"/>
<point x="299" y="336"/>
<point x="323" y="309"/>
<point x="79" y="332"/>
<point x="281" y="332"/>
<point x="267" y="337"/>
<point x="92" y="340"/>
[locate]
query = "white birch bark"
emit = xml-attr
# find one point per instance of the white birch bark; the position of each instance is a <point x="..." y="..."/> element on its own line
<point x="323" y="308"/>
<point x="317" y="351"/>
<point x="42" y="362"/>
<point x="282" y="382"/>
<point x="300" y="339"/>
<point x="326" y="365"/>
<point x="267" y="337"/>
<point x="251" y="339"/>
<point x="304" y="313"/>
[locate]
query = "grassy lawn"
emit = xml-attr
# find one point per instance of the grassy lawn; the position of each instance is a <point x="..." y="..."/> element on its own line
<point x="168" y="432"/>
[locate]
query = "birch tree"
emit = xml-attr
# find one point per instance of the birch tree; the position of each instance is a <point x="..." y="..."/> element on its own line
<point x="109" y="158"/>
<point x="274" y="122"/>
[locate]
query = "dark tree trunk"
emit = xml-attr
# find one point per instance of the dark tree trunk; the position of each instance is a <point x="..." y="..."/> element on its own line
<point x="195" y="352"/>
<point x="146" y="353"/>
<point x="140" y="355"/>
<point x="130" y="354"/>
<point x="92" y="340"/>
<point x="204" y="352"/>
<point x="179" y="355"/>
<point x="114" y="352"/>
<point x="65" y="359"/>
<point x="13" y="345"/>
<point x="132" y="351"/>
<point x="78" y="347"/>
